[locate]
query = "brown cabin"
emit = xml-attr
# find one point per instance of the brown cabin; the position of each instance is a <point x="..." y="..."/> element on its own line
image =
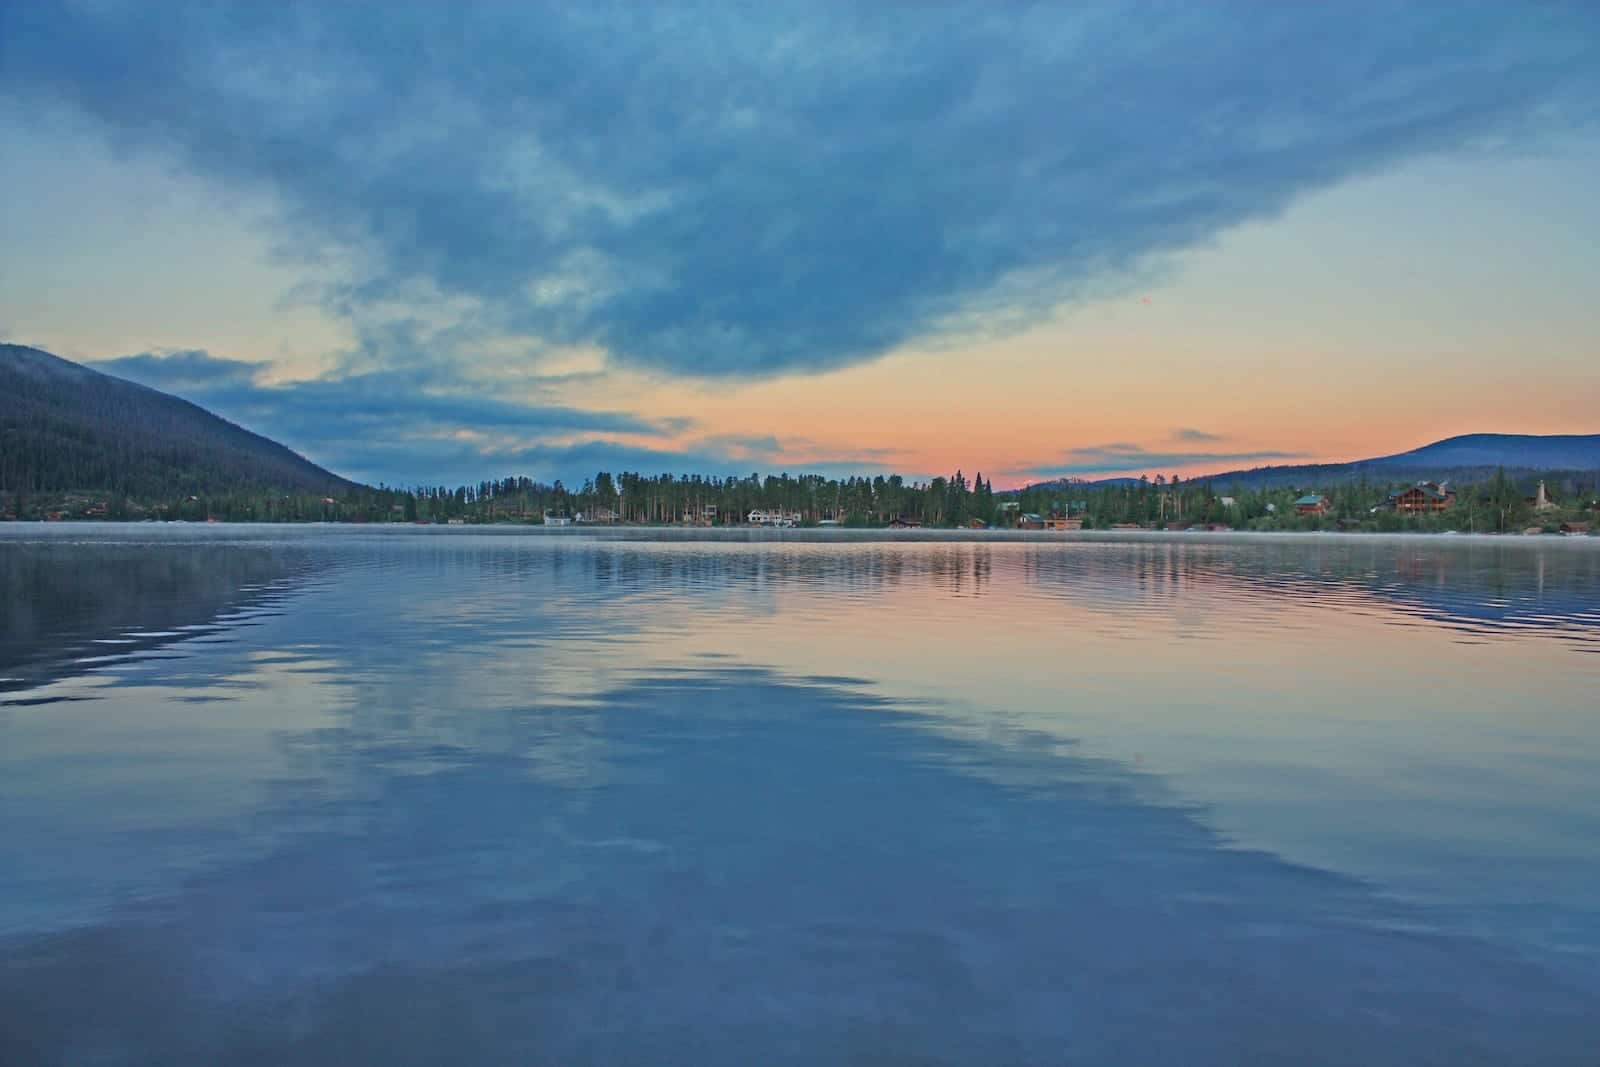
<point x="899" y="523"/>
<point x="1061" y="522"/>
<point x="1312" y="504"/>
<point x="1424" y="496"/>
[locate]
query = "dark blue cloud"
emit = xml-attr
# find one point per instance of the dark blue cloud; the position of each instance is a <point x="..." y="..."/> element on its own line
<point x="183" y="370"/>
<point x="1122" y="457"/>
<point x="757" y="189"/>
<point x="384" y="426"/>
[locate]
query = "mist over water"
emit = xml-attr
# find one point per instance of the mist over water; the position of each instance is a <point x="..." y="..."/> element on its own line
<point x="352" y="796"/>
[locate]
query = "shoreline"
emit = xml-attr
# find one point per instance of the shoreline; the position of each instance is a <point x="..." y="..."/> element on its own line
<point x="9" y="530"/>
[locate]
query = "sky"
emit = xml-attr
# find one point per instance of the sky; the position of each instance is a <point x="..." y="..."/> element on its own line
<point x="435" y="243"/>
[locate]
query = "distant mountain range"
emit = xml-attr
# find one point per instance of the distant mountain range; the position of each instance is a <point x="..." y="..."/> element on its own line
<point x="1469" y="457"/>
<point x="64" y="427"/>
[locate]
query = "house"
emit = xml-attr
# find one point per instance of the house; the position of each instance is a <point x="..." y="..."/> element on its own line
<point x="1061" y="522"/>
<point x="899" y="523"/>
<point x="775" y="517"/>
<point x="1422" y="497"/>
<point x="1574" y="528"/>
<point x="977" y="524"/>
<point x="595" y="515"/>
<point x="1027" y="520"/>
<point x="1312" y="504"/>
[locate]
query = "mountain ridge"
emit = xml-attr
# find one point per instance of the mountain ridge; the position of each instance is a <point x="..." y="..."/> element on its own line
<point x="66" y="427"/>
<point x="1463" y="457"/>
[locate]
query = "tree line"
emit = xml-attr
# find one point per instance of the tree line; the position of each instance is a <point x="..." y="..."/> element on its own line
<point x="1498" y="504"/>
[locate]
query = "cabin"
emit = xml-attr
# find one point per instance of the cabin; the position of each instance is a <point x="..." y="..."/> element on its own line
<point x="1061" y="522"/>
<point x="1572" y="529"/>
<point x="556" y="520"/>
<point x="898" y="523"/>
<point x="1312" y="504"/>
<point x="977" y="524"/>
<point x="1027" y="520"/>
<point x="775" y="517"/>
<point x="1422" y="497"/>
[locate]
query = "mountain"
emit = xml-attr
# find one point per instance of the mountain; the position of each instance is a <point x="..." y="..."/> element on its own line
<point x="64" y="427"/>
<point x="1469" y="457"/>
<point x="1510" y="450"/>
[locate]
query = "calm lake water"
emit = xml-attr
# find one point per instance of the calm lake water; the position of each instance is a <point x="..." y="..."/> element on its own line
<point x="355" y="796"/>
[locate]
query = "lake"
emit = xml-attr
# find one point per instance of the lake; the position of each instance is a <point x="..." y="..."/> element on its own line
<point x="350" y="795"/>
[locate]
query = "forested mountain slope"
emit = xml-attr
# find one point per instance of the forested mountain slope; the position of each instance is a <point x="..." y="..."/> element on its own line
<point x="64" y="427"/>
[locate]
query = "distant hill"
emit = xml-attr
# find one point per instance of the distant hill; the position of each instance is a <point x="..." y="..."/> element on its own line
<point x="64" y="428"/>
<point x="1470" y="457"/>
<point x="1486" y="450"/>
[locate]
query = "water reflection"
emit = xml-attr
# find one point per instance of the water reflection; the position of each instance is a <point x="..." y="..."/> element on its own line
<point x="65" y="607"/>
<point x="503" y="799"/>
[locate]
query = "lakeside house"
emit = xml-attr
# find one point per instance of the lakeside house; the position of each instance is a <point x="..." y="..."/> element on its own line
<point x="1312" y="504"/>
<point x="1061" y="522"/>
<point x="556" y="520"/>
<point x="1027" y="520"/>
<point x="977" y="524"/>
<point x="1574" y="528"/>
<point x="774" y="517"/>
<point x="1422" y="497"/>
<point x="899" y="523"/>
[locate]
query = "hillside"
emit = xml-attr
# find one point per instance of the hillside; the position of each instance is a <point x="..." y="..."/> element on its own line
<point x="66" y="428"/>
<point x="1469" y="457"/>
<point x="1509" y="450"/>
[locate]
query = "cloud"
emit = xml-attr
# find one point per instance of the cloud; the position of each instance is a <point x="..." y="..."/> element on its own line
<point x="181" y="370"/>
<point x="1196" y="437"/>
<point x="755" y="190"/>
<point x="390" y="426"/>
<point x="1122" y="458"/>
